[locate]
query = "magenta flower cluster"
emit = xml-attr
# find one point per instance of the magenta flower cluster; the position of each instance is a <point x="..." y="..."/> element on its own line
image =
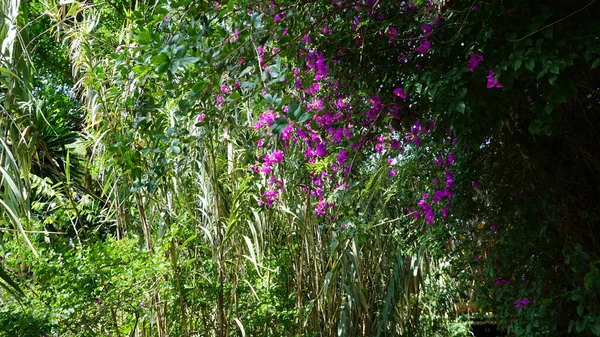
<point x="492" y="81"/>
<point x="522" y="303"/>
<point x="500" y="281"/>
<point x="345" y="123"/>
<point x="474" y="61"/>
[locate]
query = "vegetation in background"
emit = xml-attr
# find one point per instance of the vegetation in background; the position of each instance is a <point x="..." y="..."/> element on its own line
<point x="295" y="168"/>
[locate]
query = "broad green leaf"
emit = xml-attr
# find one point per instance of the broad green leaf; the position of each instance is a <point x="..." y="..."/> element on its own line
<point x="517" y="64"/>
<point x="530" y="64"/>
<point x="279" y="124"/>
<point x="294" y="111"/>
<point x="460" y="107"/>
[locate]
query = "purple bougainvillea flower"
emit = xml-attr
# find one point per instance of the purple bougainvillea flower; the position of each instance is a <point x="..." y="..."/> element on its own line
<point x="356" y="23"/>
<point x="400" y="93"/>
<point x="522" y="303"/>
<point x="426" y="29"/>
<point x="446" y="210"/>
<point x="449" y="179"/>
<point x="287" y="132"/>
<point x="313" y="89"/>
<point x="451" y="159"/>
<point x="320" y="210"/>
<point x="430" y="125"/>
<point x="438" y="195"/>
<point x="500" y="281"/>
<point x="269" y="197"/>
<point x="392" y="33"/>
<point x="225" y="89"/>
<point x="423" y="47"/>
<point x="417" y="140"/>
<point x="306" y="39"/>
<point x="492" y="82"/>
<point x="429" y="217"/>
<point x="494" y="227"/>
<point x="201" y="118"/>
<point x="474" y="60"/>
<point x="342" y="157"/>
<point x="321" y="149"/>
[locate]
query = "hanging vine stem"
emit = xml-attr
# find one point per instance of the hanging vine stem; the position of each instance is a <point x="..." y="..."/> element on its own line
<point x="553" y="23"/>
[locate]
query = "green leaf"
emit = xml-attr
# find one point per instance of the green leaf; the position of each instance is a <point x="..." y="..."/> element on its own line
<point x="286" y="100"/>
<point x="530" y="64"/>
<point x="160" y="59"/>
<point x="9" y="284"/>
<point x="235" y="96"/>
<point x="161" y="10"/>
<point x="460" y="106"/>
<point x="173" y="149"/>
<point x="187" y="60"/>
<point x="247" y="85"/>
<point x="294" y="111"/>
<point x="548" y="32"/>
<point x="269" y="98"/>
<point x="161" y="69"/>
<point x="188" y="241"/>
<point x="184" y="105"/>
<point x="305" y="117"/>
<point x="246" y="71"/>
<point x="6" y="71"/>
<point x="279" y="124"/>
<point x="588" y="280"/>
<point x="579" y="326"/>
<point x="518" y="64"/>
<point x="542" y="73"/>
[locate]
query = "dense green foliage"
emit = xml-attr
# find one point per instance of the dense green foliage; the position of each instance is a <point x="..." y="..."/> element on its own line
<point x="296" y="168"/>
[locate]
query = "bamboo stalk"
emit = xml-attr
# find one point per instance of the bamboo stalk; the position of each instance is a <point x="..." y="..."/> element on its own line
<point x="182" y="306"/>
